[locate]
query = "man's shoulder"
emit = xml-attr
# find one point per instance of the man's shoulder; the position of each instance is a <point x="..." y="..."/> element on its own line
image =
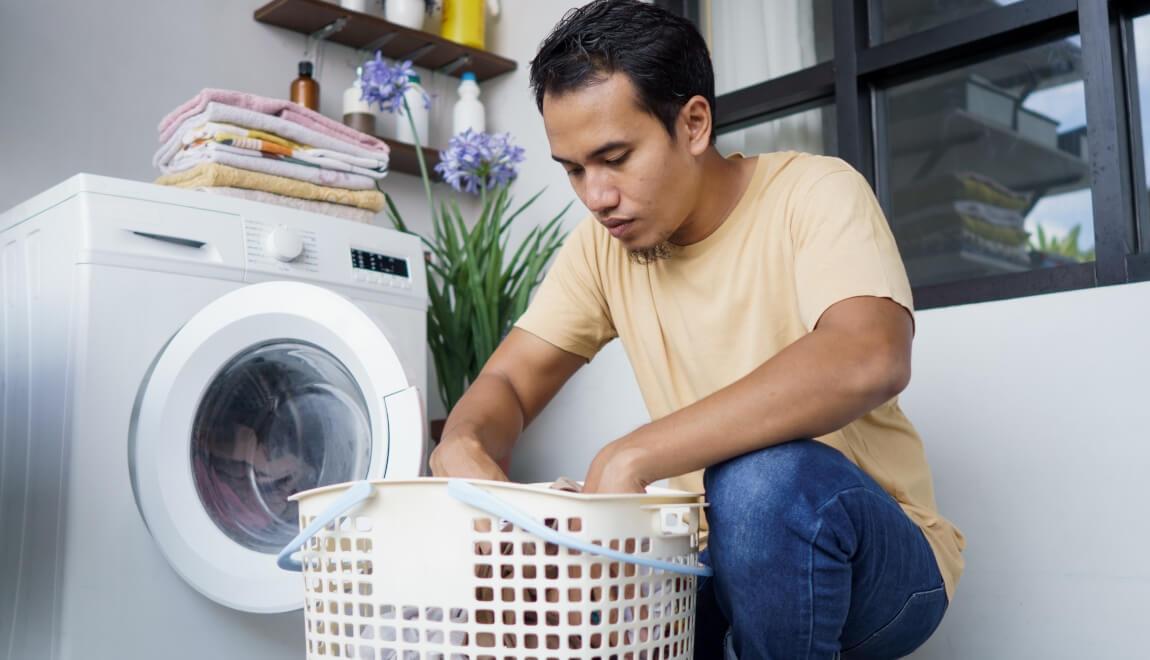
<point x="797" y="169"/>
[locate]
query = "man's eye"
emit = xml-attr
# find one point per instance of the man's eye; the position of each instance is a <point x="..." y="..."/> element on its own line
<point x="618" y="160"/>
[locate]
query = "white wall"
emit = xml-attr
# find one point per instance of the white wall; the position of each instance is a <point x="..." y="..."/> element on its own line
<point x="84" y="84"/>
<point x="1035" y="417"/>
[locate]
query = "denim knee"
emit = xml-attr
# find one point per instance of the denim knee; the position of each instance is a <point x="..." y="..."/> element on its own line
<point x="779" y="487"/>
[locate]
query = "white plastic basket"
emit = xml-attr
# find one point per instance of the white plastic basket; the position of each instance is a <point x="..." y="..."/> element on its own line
<point x="485" y="570"/>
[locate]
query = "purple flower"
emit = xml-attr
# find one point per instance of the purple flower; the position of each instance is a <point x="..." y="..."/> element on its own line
<point x="479" y="161"/>
<point x="385" y="85"/>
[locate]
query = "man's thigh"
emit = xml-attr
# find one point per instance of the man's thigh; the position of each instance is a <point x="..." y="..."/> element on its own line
<point x="812" y="556"/>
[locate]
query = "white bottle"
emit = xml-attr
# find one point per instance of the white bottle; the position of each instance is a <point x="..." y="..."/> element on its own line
<point x="414" y="97"/>
<point x="357" y="113"/>
<point x="469" y="112"/>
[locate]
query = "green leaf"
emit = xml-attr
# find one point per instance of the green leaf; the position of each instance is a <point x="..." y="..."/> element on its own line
<point x="478" y="287"/>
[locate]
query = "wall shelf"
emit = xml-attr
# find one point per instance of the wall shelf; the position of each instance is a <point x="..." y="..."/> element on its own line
<point x="371" y="33"/>
<point x="403" y="159"/>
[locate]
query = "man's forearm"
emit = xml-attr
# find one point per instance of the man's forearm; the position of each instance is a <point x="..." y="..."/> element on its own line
<point x="813" y="387"/>
<point x="490" y="412"/>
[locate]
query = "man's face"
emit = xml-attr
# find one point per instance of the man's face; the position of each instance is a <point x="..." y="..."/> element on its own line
<point x="624" y="166"/>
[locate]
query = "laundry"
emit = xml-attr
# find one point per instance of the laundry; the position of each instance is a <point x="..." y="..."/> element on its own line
<point x="276" y="150"/>
<point x="257" y="148"/>
<point x="565" y="484"/>
<point x="281" y="108"/>
<point x="338" y="210"/>
<point x="275" y="147"/>
<point x="216" y="174"/>
<point x="246" y="159"/>
<point x="256" y="124"/>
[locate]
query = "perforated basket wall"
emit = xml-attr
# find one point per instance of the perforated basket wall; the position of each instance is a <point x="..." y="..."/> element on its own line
<point x="413" y="574"/>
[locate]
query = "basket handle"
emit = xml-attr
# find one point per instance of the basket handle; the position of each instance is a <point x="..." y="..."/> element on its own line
<point x="358" y="492"/>
<point x="469" y="493"/>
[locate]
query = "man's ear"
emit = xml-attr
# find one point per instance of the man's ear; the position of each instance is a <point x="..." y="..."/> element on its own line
<point x="695" y="122"/>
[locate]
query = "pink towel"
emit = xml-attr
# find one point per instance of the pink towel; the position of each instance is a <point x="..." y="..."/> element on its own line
<point x="277" y="107"/>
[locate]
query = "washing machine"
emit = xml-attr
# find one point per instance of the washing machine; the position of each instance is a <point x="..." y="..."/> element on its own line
<point x="174" y="366"/>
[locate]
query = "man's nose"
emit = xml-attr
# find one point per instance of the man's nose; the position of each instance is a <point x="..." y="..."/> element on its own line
<point x="602" y="195"/>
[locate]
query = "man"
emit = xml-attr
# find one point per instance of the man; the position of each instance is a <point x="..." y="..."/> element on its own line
<point x="767" y="317"/>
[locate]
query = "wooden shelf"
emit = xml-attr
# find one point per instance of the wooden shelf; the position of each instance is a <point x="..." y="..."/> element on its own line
<point x="371" y="33"/>
<point x="403" y="159"/>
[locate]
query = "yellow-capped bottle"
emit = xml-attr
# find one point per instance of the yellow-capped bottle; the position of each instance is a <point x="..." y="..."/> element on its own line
<point x="465" y="21"/>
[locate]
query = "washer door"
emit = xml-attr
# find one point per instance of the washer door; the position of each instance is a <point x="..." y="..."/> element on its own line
<point x="272" y="389"/>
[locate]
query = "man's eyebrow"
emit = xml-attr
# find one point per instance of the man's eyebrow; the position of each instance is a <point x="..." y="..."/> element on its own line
<point x="610" y="146"/>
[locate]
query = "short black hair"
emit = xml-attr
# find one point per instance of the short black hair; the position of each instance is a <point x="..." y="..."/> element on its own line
<point x="664" y="56"/>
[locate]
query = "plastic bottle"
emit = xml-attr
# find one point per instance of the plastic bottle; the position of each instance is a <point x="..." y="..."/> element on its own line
<point x="305" y="89"/>
<point x="465" y="21"/>
<point x="414" y="97"/>
<point x="357" y="113"/>
<point x="469" y="112"/>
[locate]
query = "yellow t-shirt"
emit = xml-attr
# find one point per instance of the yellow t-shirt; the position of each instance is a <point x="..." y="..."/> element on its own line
<point x="807" y="233"/>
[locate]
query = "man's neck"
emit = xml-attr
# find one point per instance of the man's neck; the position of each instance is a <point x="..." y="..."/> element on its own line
<point x="723" y="184"/>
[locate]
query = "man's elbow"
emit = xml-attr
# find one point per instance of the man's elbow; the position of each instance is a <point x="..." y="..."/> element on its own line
<point x="886" y="373"/>
<point x="893" y="375"/>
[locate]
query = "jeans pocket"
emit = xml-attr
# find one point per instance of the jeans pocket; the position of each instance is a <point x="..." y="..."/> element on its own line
<point x="915" y="622"/>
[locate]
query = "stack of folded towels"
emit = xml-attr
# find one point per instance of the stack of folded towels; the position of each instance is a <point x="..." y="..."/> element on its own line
<point x="271" y="150"/>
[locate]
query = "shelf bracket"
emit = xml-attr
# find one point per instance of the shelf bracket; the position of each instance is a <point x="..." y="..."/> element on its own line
<point x="329" y="29"/>
<point x="452" y="66"/>
<point x="379" y="43"/>
<point x="320" y="35"/>
<point x="417" y="53"/>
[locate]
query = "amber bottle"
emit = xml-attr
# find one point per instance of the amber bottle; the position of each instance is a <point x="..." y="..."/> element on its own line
<point x="305" y="89"/>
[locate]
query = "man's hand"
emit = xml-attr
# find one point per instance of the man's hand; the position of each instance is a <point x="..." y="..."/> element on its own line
<point x="463" y="456"/>
<point x="617" y="468"/>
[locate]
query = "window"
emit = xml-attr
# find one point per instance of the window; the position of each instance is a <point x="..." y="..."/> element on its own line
<point x="903" y="17"/>
<point x="1141" y="35"/>
<point x="986" y="167"/>
<point x="812" y="131"/>
<point x="752" y="41"/>
<point x="1003" y="137"/>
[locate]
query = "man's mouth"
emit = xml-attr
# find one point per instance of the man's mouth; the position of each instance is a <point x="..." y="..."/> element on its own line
<point x="617" y="226"/>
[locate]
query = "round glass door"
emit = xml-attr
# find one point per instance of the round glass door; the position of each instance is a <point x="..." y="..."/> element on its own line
<point x="271" y="389"/>
<point x="278" y="419"/>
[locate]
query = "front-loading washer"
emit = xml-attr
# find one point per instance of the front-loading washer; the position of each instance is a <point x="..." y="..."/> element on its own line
<point x="175" y="365"/>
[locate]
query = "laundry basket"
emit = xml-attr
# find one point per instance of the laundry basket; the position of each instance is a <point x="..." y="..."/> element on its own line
<point x="485" y="570"/>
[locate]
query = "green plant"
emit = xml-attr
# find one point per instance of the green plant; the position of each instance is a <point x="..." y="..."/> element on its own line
<point x="477" y="285"/>
<point x="1066" y="247"/>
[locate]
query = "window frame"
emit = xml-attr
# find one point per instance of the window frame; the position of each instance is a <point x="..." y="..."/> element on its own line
<point x="863" y="65"/>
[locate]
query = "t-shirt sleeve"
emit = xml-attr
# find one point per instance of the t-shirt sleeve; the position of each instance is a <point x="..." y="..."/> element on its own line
<point x="844" y="247"/>
<point x="569" y="309"/>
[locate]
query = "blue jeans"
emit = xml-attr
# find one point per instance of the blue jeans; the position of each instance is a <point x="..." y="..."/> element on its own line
<point x="812" y="559"/>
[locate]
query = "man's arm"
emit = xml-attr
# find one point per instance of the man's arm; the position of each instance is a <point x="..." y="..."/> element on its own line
<point x="517" y="381"/>
<point x="856" y="359"/>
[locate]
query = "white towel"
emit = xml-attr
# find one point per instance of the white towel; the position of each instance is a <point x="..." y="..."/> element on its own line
<point x="211" y="153"/>
<point x="298" y="155"/>
<point x="211" y="129"/>
<point x="218" y="112"/>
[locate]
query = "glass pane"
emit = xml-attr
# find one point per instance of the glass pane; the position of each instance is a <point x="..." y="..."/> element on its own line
<point x="1142" y="64"/>
<point x="986" y="167"/>
<point x="754" y="41"/>
<point x="903" y="17"/>
<point x="278" y="419"/>
<point x="812" y="131"/>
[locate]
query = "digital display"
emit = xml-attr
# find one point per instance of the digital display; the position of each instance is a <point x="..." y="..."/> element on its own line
<point x="378" y="263"/>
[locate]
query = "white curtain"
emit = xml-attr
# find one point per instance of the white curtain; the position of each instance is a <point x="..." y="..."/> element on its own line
<point x="756" y="40"/>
